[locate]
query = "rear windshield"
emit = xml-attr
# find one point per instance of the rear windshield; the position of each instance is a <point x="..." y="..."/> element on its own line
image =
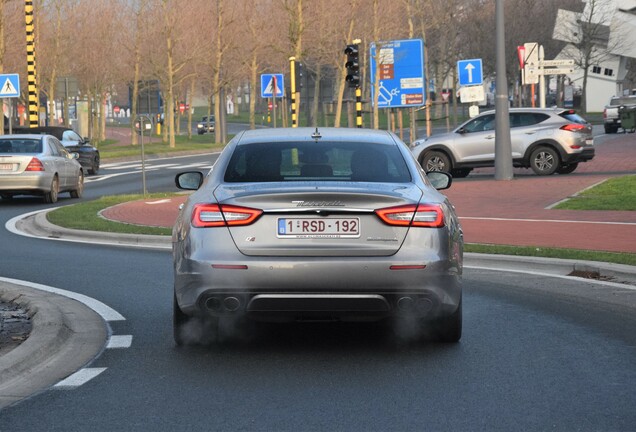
<point x="20" y="146"/>
<point x="573" y="117"/>
<point x="322" y="161"/>
<point x="623" y="101"/>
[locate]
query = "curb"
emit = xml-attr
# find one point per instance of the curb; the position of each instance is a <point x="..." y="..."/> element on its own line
<point x="66" y="335"/>
<point x="36" y="225"/>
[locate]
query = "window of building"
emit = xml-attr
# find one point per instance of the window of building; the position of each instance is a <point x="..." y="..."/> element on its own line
<point x="609" y="72"/>
<point x="596" y="69"/>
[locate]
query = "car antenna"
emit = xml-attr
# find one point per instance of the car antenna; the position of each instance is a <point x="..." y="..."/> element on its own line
<point x="316" y="135"/>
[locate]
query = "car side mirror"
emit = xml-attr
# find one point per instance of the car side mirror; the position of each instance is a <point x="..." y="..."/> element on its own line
<point x="461" y="131"/>
<point x="439" y="179"/>
<point x="189" y="180"/>
<point x="87" y="140"/>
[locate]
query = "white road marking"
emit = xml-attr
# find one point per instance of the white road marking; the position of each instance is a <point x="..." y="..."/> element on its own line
<point x="106" y="312"/>
<point x="80" y="377"/>
<point x="119" y="341"/>
<point x="571" y="278"/>
<point x="548" y="220"/>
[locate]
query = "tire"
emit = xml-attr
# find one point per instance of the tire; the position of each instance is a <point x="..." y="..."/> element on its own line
<point x="79" y="189"/>
<point x="194" y="330"/>
<point x="435" y="161"/>
<point x="94" y="169"/>
<point x="609" y="129"/>
<point x="461" y="172"/>
<point x="567" y="169"/>
<point x="50" y="197"/>
<point x="544" y="161"/>
<point x="447" y="329"/>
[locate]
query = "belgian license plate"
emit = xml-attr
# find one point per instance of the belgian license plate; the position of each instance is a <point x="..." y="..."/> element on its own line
<point x="318" y="228"/>
<point x="6" y="167"/>
<point x="589" y="141"/>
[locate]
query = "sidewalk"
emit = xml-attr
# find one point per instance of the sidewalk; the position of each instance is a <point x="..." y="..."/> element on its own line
<point x="501" y="212"/>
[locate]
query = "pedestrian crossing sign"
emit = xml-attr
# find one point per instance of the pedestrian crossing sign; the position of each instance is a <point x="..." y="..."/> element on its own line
<point x="269" y="81"/>
<point x="9" y="85"/>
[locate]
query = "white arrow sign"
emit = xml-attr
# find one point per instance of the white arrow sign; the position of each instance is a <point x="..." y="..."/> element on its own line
<point x="469" y="68"/>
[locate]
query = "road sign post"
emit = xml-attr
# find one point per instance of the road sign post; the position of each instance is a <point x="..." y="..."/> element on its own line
<point x="401" y="73"/>
<point x="10" y="88"/>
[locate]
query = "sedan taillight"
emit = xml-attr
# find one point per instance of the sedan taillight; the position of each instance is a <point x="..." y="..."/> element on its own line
<point x="35" y="165"/>
<point x="215" y="215"/>
<point x="573" y="127"/>
<point x="422" y="215"/>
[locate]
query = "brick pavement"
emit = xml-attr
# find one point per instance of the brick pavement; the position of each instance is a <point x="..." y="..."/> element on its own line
<point x="502" y="212"/>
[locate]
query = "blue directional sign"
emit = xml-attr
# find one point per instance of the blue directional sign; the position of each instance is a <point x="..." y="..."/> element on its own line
<point x="401" y="72"/>
<point x="10" y="85"/>
<point x="470" y="72"/>
<point x="267" y="85"/>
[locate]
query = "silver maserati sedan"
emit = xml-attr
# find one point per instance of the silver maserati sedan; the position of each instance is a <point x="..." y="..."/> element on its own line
<point x="317" y="224"/>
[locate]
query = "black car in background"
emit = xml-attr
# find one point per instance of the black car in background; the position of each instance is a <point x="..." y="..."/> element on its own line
<point x="72" y="141"/>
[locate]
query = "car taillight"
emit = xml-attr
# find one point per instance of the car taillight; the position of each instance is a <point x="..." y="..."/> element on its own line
<point x="605" y="113"/>
<point x="573" y="127"/>
<point x="35" y="165"/>
<point x="215" y="215"/>
<point x="422" y="215"/>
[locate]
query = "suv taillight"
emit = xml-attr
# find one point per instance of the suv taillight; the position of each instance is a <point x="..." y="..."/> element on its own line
<point x="422" y="215"/>
<point x="35" y="165"/>
<point x="605" y="113"/>
<point x="215" y="215"/>
<point x="573" y="127"/>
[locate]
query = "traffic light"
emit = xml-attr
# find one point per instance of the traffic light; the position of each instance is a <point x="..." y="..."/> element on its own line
<point x="299" y="75"/>
<point x="352" y="65"/>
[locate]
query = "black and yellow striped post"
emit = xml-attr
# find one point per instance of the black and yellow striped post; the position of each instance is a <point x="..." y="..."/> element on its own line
<point x="358" y="106"/>
<point x="292" y="73"/>
<point x="31" y="77"/>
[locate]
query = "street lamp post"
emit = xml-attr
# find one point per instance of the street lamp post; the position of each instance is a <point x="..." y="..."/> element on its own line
<point x="503" y="150"/>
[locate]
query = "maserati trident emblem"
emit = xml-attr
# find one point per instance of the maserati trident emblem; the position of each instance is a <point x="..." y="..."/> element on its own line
<point x="318" y="203"/>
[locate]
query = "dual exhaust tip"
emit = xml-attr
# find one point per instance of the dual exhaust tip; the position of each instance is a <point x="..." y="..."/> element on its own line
<point x="222" y="304"/>
<point x="421" y="305"/>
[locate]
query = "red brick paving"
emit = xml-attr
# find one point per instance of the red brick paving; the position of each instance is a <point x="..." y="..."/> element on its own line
<point x="480" y="196"/>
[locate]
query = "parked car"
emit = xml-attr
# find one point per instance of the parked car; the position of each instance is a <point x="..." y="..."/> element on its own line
<point x="88" y="155"/>
<point x="325" y="224"/>
<point x="206" y="125"/>
<point x="32" y="164"/>
<point x="611" y="114"/>
<point x="546" y="140"/>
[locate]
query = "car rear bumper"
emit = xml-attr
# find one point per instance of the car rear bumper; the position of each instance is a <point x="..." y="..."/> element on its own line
<point x="25" y="184"/>
<point x="295" y="289"/>
<point x="584" y="156"/>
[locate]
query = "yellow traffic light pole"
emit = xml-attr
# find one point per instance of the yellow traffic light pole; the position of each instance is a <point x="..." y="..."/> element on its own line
<point x="292" y="73"/>
<point x="31" y="76"/>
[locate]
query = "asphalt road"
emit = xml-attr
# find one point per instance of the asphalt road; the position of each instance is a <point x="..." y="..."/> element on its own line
<point x="534" y="355"/>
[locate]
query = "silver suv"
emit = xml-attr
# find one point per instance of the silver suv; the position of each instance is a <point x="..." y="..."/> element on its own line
<point x="546" y="140"/>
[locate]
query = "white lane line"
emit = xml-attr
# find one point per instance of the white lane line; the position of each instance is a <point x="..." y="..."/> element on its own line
<point x="570" y="278"/>
<point x="106" y="312"/>
<point x="547" y="220"/>
<point x="80" y="377"/>
<point x="119" y="341"/>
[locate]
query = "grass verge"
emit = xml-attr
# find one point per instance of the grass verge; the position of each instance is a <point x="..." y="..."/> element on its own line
<point x="617" y="193"/>
<point x="574" y="254"/>
<point x="84" y="216"/>
<point x="111" y="149"/>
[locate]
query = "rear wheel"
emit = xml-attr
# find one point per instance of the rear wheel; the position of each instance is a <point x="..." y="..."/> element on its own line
<point x="435" y="161"/>
<point x="609" y="129"/>
<point x="79" y="188"/>
<point x="447" y="329"/>
<point x="94" y="169"/>
<point x="567" y="169"/>
<point x="51" y="196"/>
<point x="544" y="161"/>
<point x="193" y="330"/>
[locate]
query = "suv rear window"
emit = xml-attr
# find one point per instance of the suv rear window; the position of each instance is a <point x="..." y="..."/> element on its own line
<point x="323" y="161"/>
<point x="573" y="117"/>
